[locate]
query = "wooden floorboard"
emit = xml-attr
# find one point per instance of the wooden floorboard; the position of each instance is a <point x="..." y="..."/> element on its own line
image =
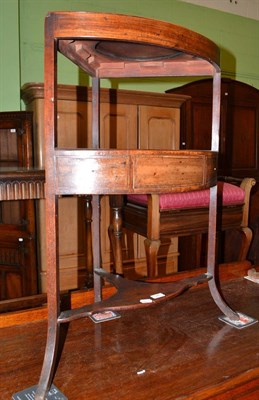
<point x="178" y="350"/>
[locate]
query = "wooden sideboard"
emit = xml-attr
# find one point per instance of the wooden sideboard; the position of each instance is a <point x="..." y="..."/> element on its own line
<point x="129" y="120"/>
<point x="239" y="144"/>
<point x="18" y="245"/>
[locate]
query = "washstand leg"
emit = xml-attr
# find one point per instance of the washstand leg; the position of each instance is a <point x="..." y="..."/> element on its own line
<point x="214" y="285"/>
<point x="230" y="316"/>
<point x="220" y="301"/>
<point x="50" y="361"/>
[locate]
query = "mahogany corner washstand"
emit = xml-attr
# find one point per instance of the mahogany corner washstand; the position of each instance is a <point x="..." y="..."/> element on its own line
<point x="121" y="46"/>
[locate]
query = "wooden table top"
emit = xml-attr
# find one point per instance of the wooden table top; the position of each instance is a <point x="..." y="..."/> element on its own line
<point x="177" y="350"/>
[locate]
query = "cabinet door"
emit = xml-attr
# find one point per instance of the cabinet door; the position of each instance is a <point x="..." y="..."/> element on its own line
<point x="74" y="127"/>
<point x="18" y="270"/>
<point x="159" y="128"/>
<point x="118" y="126"/>
<point x="197" y="125"/>
<point x="196" y="118"/>
<point x="242" y="137"/>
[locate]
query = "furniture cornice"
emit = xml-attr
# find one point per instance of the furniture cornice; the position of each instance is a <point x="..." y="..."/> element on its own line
<point x="31" y="91"/>
<point x="21" y="184"/>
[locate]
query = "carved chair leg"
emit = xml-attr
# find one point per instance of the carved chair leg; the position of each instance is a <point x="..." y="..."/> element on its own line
<point x="247" y="236"/>
<point x="115" y="233"/>
<point x="151" y="248"/>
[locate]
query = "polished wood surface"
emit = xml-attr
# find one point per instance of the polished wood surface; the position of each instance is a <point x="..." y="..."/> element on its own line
<point x="160" y="353"/>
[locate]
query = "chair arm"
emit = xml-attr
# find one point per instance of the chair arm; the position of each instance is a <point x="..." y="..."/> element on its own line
<point x="246" y="184"/>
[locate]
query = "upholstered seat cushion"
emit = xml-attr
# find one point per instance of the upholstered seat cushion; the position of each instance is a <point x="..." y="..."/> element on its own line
<point x="228" y="194"/>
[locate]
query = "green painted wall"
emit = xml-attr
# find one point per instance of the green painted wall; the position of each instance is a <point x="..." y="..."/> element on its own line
<point x="9" y="55"/>
<point x="236" y="36"/>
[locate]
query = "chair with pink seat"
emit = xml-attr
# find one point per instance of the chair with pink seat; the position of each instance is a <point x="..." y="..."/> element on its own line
<point x="157" y="217"/>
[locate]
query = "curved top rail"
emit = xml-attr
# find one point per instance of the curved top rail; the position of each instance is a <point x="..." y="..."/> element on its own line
<point x="116" y="45"/>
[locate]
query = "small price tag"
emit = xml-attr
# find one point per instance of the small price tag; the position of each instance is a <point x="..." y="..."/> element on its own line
<point x="144" y="301"/>
<point x="157" y="295"/>
<point x="104" y="316"/>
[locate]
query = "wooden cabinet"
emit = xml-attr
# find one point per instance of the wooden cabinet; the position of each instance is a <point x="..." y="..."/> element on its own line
<point x="239" y="140"/>
<point x="18" y="256"/>
<point x="128" y="120"/>
<point x="239" y="145"/>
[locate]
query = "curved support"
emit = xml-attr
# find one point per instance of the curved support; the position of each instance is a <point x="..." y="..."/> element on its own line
<point x="130" y="293"/>
<point x="231" y="317"/>
<point x="221" y="302"/>
<point x="211" y="261"/>
<point x="50" y="361"/>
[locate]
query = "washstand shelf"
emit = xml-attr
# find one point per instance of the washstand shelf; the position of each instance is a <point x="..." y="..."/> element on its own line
<point x="121" y="46"/>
